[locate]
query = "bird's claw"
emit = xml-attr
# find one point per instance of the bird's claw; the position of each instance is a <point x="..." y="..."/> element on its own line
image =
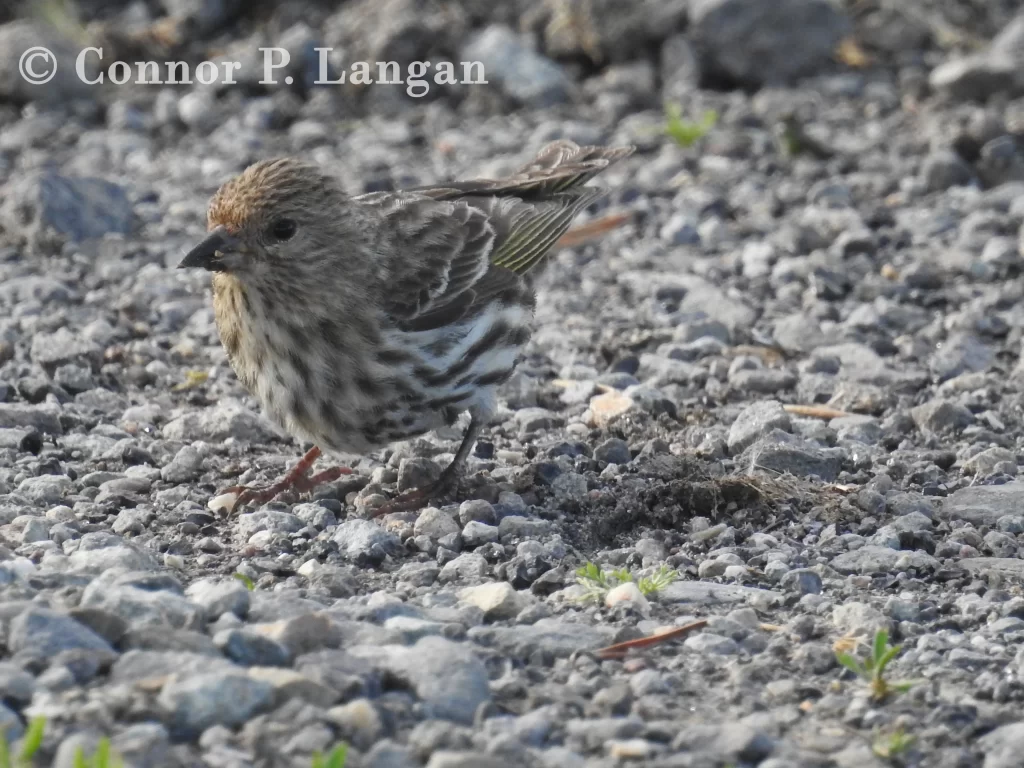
<point x="296" y="480"/>
<point x="444" y="489"/>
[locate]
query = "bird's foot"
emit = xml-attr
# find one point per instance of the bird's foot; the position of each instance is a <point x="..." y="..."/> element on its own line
<point x="445" y="488"/>
<point x="297" y="479"/>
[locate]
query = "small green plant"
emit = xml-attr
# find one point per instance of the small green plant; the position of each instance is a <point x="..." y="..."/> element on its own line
<point x="598" y="582"/>
<point x="684" y="132"/>
<point x="103" y="757"/>
<point x="893" y="745"/>
<point x="335" y="759"/>
<point x="246" y="581"/>
<point x="657" y="581"/>
<point x="30" y="744"/>
<point x="872" y="669"/>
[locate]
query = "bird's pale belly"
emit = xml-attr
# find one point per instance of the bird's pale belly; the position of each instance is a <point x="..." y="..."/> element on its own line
<point x="356" y="408"/>
<point x="333" y="423"/>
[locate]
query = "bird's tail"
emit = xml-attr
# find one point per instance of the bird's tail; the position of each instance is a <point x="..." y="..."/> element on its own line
<point x="564" y="164"/>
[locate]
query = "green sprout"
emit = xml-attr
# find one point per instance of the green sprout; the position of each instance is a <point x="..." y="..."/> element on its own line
<point x="245" y="580"/>
<point x="872" y="669"/>
<point x="657" y="581"/>
<point x="103" y="757"/>
<point x="894" y="745"/>
<point x="598" y="582"/>
<point x="30" y="744"/>
<point x="335" y="759"/>
<point x="686" y="133"/>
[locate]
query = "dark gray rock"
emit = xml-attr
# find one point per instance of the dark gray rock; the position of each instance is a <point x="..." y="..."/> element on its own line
<point x="941" y="416"/>
<point x="766" y="44"/>
<point x="47" y="203"/>
<point x="780" y="452"/>
<point x="447" y="677"/>
<point x="49" y="632"/>
<point x="984" y="505"/>
<point x="943" y="169"/>
<point x="614" y="451"/>
<point x="191" y="704"/>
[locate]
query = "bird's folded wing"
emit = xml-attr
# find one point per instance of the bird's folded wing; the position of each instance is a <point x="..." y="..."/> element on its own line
<point x="451" y="258"/>
<point x="528" y="231"/>
<point x="559" y="166"/>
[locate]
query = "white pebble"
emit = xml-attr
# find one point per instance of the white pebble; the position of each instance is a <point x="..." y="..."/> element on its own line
<point x="225" y="502"/>
<point x="627" y="592"/>
<point x="174" y="561"/>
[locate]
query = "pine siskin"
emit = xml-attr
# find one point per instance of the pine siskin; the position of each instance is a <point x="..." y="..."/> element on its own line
<point x="361" y="321"/>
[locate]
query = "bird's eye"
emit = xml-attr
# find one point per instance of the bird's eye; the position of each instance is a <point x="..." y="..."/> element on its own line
<point x="283" y="229"/>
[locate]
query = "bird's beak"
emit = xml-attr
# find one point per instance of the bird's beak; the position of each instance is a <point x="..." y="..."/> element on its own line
<point x="204" y="255"/>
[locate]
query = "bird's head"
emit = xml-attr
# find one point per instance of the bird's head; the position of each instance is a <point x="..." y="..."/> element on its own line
<point x="275" y="217"/>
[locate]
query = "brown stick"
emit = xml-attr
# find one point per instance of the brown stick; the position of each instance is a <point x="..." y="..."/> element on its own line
<point x="591" y="230"/>
<point x="619" y="650"/>
<point x="816" y="411"/>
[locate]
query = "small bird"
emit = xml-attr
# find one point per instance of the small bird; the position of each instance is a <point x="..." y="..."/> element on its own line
<point x="359" y="321"/>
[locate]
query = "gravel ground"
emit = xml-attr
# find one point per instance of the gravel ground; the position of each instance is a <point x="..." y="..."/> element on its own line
<point x="792" y="378"/>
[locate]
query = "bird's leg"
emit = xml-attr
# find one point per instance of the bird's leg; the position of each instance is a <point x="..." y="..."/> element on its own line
<point x="445" y="486"/>
<point x="294" y="478"/>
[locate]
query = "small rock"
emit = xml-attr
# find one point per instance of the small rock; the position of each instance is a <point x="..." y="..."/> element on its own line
<point x="45" y="203"/>
<point x="613" y="451"/>
<point x="607" y="408"/>
<point x="707" y="643"/>
<point x="627" y="592"/>
<point x="435" y="524"/>
<point x="48" y="633"/>
<point x="755" y="421"/>
<point x="417" y="472"/>
<point x="196" y="702"/>
<point x="477" y="510"/>
<point x="476" y="534"/>
<point x="216" y="424"/>
<point x="781" y="452"/>
<point x="522" y="73"/>
<point x="940" y="416"/>
<point x="498" y="600"/>
<point x="184" y="467"/>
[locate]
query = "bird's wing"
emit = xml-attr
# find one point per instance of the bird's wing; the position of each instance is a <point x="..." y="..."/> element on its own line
<point x="526" y="231"/>
<point x="435" y="261"/>
<point x="458" y="245"/>
<point x="559" y="166"/>
<point x="448" y="260"/>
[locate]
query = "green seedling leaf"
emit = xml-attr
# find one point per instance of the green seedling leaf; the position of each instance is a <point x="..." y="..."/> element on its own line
<point x="33" y="739"/>
<point x="685" y="132"/>
<point x="621" y="576"/>
<point x="887" y="656"/>
<point x="337" y="757"/>
<point x="853" y="665"/>
<point x="245" y="580"/>
<point x="5" y="752"/>
<point x="880" y="644"/>
<point x="589" y="572"/>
